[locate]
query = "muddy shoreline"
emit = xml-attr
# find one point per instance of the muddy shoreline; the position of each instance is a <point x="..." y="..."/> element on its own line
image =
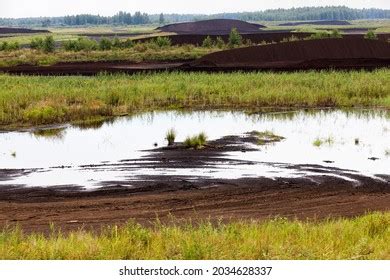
<point x="149" y="197"/>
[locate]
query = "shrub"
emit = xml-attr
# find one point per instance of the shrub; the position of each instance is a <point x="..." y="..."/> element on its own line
<point x="36" y="43"/>
<point x="128" y="44"/>
<point x="196" y="142"/>
<point x="336" y="34"/>
<point x="5" y="46"/>
<point x="220" y="43"/>
<point x="105" y="44"/>
<point x="140" y="47"/>
<point x="170" y="136"/>
<point x="48" y="44"/>
<point x="371" y="35"/>
<point x="80" y="44"/>
<point x="248" y="42"/>
<point x="235" y="38"/>
<point x="162" y="42"/>
<point x="207" y="42"/>
<point x="319" y="35"/>
<point x="116" y="43"/>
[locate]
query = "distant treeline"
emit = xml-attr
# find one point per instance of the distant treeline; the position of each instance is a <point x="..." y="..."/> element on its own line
<point x="124" y="18"/>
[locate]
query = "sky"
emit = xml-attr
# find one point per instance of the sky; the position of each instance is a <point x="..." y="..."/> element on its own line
<point x="36" y="8"/>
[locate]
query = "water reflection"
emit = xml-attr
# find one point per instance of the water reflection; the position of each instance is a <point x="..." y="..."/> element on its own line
<point x="357" y="135"/>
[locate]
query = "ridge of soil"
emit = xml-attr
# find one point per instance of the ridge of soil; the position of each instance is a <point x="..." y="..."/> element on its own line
<point x="212" y="26"/>
<point x="12" y="30"/>
<point x="279" y="55"/>
<point x="316" y="22"/>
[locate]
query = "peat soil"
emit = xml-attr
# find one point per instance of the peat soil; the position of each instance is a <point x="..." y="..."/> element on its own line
<point x="211" y="27"/>
<point x="343" y="54"/>
<point x="11" y="30"/>
<point x="317" y="22"/>
<point x="146" y="198"/>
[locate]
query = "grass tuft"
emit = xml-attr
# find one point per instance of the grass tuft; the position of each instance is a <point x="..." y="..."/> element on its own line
<point x="196" y="142"/>
<point x="170" y="136"/>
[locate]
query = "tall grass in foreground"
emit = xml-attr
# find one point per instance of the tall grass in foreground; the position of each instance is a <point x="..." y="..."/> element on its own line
<point x="41" y="100"/>
<point x="366" y="237"/>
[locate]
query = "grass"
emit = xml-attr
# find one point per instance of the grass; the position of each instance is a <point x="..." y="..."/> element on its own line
<point x="196" y="142"/>
<point x="53" y="133"/>
<point x="170" y="136"/>
<point x="139" y="53"/>
<point x="318" y="142"/>
<point x="34" y="100"/>
<point x="365" y="237"/>
<point x="267" y="136"/>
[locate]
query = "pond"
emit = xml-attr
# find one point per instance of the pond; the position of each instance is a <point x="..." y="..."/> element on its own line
<point x="357" y="141"/>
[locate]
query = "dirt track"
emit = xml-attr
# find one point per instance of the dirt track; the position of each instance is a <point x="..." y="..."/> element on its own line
<point x="34" y="209"/>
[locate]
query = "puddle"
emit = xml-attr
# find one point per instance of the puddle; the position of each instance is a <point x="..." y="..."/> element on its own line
<point x="326" y="138"/>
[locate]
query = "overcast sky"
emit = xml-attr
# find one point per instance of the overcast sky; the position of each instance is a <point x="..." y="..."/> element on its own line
<point x="35" y="8"/>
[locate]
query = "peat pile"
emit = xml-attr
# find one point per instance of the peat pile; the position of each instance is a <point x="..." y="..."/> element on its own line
<point x="318" y="22"/>
<point x="211" y="27"/>
<point x="256" y="38"/>
<point x="308" y="54"/>
<point x="11" y="30"/>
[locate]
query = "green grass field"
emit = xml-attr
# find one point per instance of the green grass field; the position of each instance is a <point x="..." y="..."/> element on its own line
<point x="34" y="100"/>
<point x="365" y="237"/>
<point x="136" y="54"/>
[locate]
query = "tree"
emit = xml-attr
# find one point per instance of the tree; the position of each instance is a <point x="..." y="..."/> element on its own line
<point x="36" y="44"/>
<point x="161" y="20"/>
<point x="235" y="38"/>
<point x="207" y="42"/>
<point x="220" y="43"/>
<point x="105" y="44"/>
<point x="48" y="44"/>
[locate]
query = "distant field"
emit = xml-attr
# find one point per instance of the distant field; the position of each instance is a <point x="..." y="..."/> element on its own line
<point x="362" y="238"/>
<point x="149" y="28"/>
<point x="143" y="53"/>
<point x="378" y="25"/>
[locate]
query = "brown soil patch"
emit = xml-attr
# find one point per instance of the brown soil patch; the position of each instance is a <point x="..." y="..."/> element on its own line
<point x="298" y="53"/>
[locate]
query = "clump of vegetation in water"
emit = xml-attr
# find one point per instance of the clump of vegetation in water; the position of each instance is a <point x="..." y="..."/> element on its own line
<point x="267" y="136"/>
<point x="318" y="142"/>
<point x="170" y="136"/>
<point x="357" y="141"/>
<point x="196" y="142"/>
<point x="57" y="133"/>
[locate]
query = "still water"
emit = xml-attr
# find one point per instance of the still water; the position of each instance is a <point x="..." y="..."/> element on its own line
<point x="358" y="141"/>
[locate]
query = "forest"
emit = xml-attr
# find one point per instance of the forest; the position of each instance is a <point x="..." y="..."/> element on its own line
<point x="125" y="18"/>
